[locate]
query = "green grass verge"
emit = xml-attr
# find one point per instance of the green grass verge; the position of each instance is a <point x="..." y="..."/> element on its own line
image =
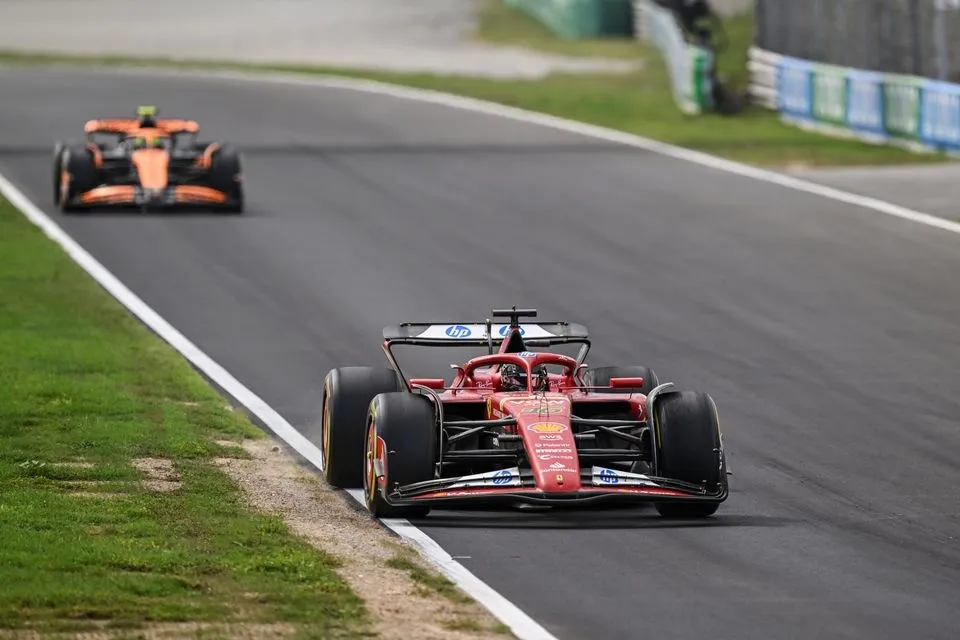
<point x="81" y="379"/>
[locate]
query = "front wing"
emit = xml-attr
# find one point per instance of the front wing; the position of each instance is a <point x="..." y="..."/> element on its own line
<point x="508" y="486"/>
<point x="136" y="196"/>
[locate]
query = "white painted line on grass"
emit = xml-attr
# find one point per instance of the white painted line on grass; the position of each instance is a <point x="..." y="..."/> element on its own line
<point x="553" y="122"/>
<point x="520" y="624"/>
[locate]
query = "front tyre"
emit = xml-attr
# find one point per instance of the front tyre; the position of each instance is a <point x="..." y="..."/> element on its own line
<point x="401" y="445"/>
<point x="77" y="161"/>
<point x="347" y="392"/>
<point x="226" y="176"/>
<point x="689" y="448"/>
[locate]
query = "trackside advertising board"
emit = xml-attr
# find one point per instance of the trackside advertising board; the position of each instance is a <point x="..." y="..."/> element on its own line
<point x="875" y="106"/>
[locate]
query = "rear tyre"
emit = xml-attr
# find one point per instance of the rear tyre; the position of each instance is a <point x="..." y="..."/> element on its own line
<point x="401" y="433"/>
<point x="225" y="175"/>
<point x="689" y="448"/>
<point x="347" y="393"/>
<point x="601" y="376"/>
<point x="77" y="160"/>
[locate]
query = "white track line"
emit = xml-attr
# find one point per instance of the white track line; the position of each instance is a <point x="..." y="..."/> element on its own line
<point x="553" y="122"/>
<point x="522" y="625"/>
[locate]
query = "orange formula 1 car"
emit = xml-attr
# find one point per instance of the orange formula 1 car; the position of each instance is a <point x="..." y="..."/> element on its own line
<point x="146" y="162"/>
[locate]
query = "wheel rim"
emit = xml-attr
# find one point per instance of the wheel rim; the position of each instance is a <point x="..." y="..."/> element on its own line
<point x="370" y="475"/>
<point x="325" y="429"/>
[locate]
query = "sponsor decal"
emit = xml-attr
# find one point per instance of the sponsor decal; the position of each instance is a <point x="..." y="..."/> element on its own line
<point x="609" y="476"/>
<point x="554" y="448"/>
<point x="550" y="437"/>
<point x="527" y="354"/>
<point x="558" y="468"/>
<point x="505" y="328"/>
<point x="484" y="384"/>
<point x="458" y="331"/>
<point x="542" y="411"/>
<point x="493" y="411"/>
<point x="533" y="402"/>
<point x="503" y="477"/>
<point x="550" y="456"/>
<point x="547" y="427"/>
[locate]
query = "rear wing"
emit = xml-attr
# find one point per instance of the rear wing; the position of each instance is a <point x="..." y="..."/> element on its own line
<point x="129" y="125"/>
<point x="487" y="334"/>
<point x="460" y="334"/>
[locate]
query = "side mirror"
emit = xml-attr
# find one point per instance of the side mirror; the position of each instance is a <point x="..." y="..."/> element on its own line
<point x="624" y="383"/>
<point x="430" y="383"/>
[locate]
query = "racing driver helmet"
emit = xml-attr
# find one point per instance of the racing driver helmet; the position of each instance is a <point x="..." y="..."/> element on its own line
<point x="514" y="378"/>
<point x="147" y="117"/>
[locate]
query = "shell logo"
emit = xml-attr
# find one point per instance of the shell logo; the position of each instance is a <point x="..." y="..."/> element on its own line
<point x="547" y="427"/>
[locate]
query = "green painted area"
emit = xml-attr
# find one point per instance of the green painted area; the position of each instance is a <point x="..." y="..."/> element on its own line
<point x="577" y="19"/>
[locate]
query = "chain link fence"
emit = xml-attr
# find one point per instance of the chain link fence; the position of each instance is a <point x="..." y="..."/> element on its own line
<point x="912" y="37"/>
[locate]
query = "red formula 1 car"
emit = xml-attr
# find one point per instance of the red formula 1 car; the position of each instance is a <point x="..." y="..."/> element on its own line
<point x="148" y="163"/>
<point x="518" y="426"/>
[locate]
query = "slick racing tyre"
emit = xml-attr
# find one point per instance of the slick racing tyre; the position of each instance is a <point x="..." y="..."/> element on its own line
<point x="401" y="434"/>
<point x="347" y="393"/>
<point x="688" y="448"/>
<point x="600" y="377"/>
<point x="76" y="159"/>
<point x="225" y="172"/>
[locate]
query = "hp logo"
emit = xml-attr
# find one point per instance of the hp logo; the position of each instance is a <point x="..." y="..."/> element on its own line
<point x="458" y="331"/>
<point x="608" y="476"/>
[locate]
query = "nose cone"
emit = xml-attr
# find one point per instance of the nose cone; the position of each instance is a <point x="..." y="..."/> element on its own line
<point x="152" y="167"/>
<point x="544" y="425"/>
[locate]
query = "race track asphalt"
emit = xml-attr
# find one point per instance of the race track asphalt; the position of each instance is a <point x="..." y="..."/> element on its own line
<point x="828" y="335"/>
